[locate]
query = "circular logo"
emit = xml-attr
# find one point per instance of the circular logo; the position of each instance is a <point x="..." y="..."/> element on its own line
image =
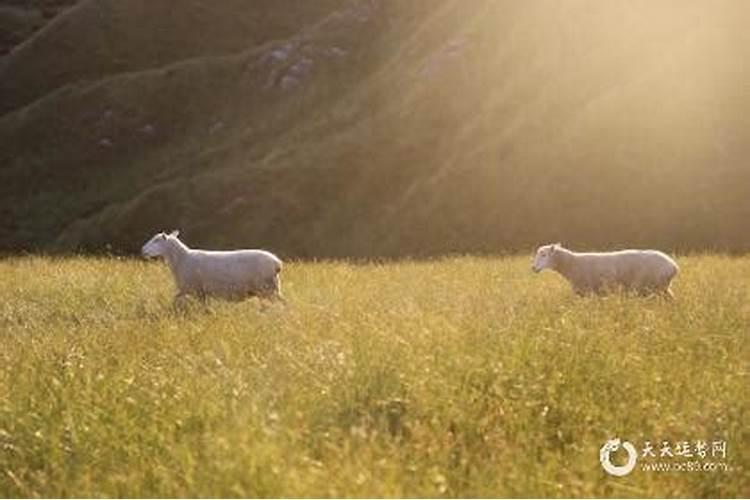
<point x="612" y="446"/>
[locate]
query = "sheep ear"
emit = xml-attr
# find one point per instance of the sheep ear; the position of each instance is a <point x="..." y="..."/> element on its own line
<point x="175" y="233"/>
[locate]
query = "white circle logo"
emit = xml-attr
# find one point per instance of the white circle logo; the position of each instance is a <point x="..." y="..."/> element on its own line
<point x="610" y="447"/>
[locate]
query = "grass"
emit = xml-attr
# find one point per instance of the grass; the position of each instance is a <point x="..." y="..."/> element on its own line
<point x="455" y="377"/>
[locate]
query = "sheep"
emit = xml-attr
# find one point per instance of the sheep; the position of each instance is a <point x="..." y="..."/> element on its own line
<point x="233" y="275"/>
<point x="641" y="271"/>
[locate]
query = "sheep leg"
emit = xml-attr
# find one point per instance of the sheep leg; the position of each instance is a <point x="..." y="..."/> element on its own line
<point x="277" y="297"/>
<point x="180" y="300"/>
<point x="272" y="296"/>
<point x="267" y="298"/>
<point x="272" y="291"/>
<point x="667" y="293"/>
<point x="178" y="303"/>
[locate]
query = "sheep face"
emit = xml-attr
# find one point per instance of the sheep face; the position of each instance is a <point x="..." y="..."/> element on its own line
<point x="544" y="257"/>
<point x="157" y="246"/>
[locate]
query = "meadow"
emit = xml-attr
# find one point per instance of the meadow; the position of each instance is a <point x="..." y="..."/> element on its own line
<point x="461" y="376"/>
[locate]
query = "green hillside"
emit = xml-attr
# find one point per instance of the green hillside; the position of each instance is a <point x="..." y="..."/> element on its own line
<point x="379" y="127"/>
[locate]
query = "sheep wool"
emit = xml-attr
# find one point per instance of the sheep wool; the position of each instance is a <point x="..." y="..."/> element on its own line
<point x="234" y="274"/>
<point x="640" y="271"/>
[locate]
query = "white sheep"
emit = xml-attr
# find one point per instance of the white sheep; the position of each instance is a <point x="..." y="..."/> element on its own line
<point x="235" y="274"/>
<point x="640" y="271"/>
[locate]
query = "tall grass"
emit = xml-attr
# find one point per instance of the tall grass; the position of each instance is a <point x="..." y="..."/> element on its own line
<point x="453" y="377"/>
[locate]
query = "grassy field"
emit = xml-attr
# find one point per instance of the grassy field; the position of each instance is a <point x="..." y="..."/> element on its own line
<point x="455" y="377"/>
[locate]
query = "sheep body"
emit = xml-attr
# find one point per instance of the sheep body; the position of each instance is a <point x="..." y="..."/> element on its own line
<point x="641" y="271"/>
<point x="233" y="274"/>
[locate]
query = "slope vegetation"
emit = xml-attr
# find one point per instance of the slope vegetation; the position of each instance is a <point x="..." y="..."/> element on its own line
<point x="19" y="19"/>
<point x="376" y="127"/>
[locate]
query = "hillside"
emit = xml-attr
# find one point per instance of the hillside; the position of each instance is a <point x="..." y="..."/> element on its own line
<point x="378" y="127"/>
<point x="19" y="19"/>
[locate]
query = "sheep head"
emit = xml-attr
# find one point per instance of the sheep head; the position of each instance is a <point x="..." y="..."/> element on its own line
<point x="544" y="257"/>
<point x="156" y="246"/>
